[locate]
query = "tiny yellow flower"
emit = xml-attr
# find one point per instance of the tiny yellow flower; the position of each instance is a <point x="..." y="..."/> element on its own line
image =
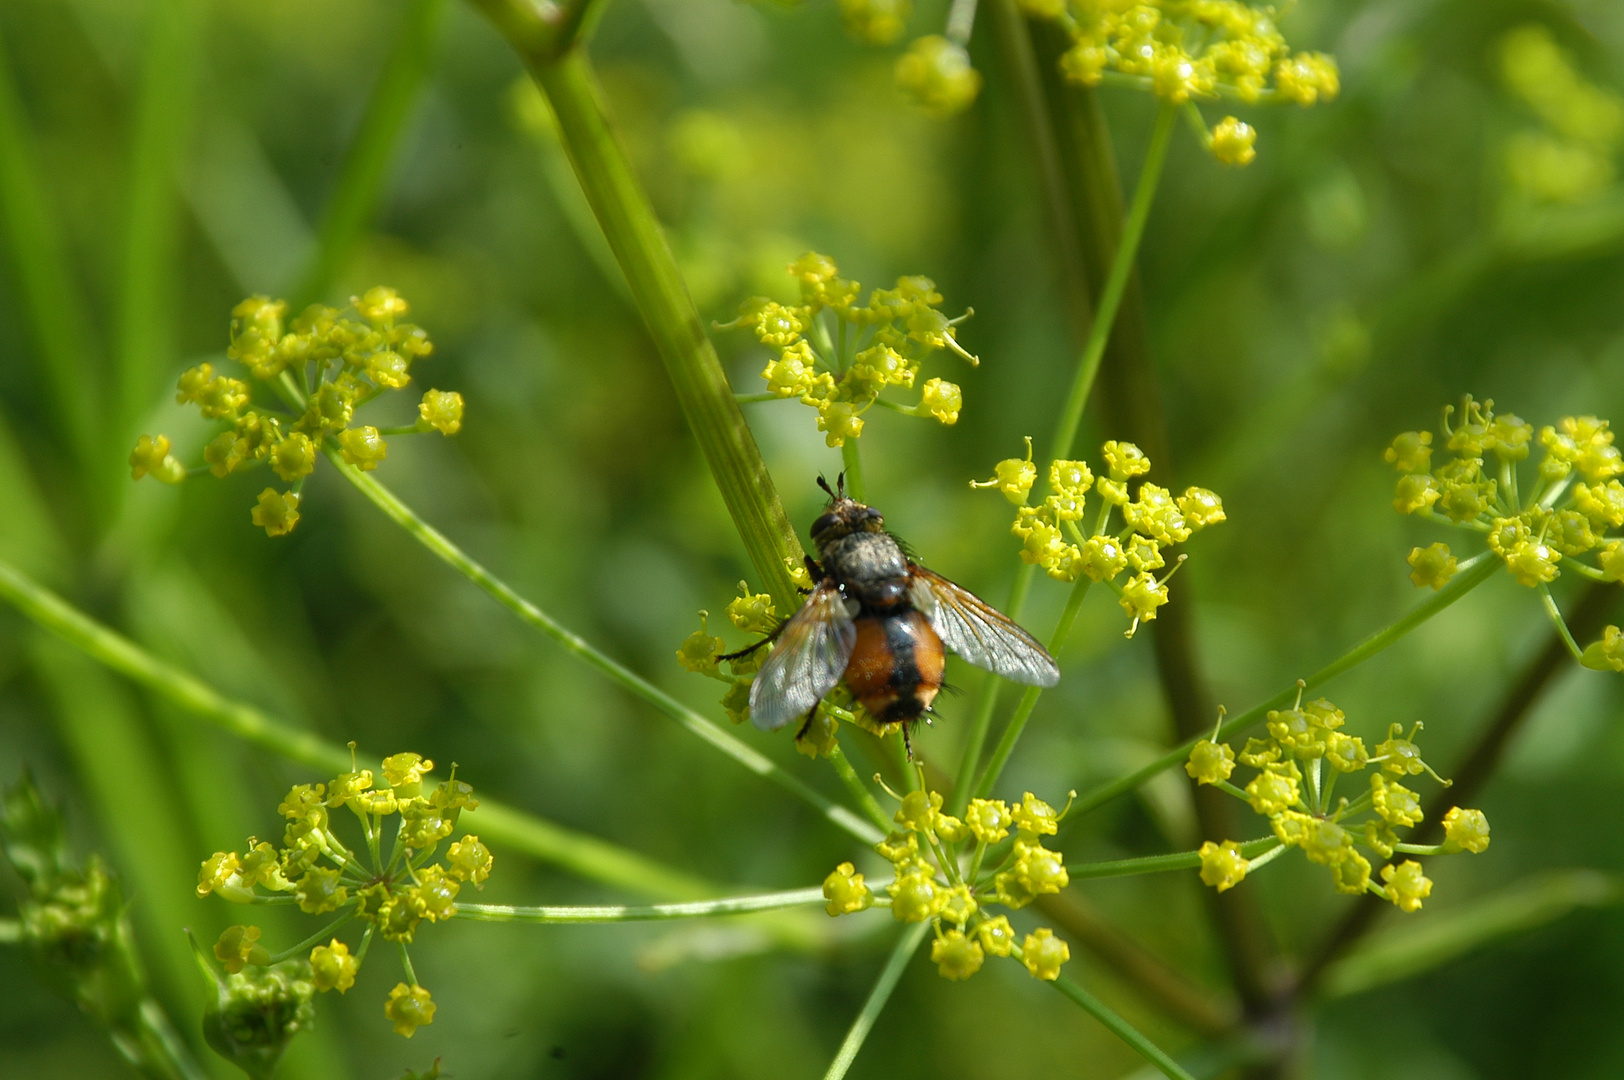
<point x="441" y="410"/>
<point x="988" y="819"/>
<point x="1396" y="804"/>
<point x="1012" y="476"/>
<point x="1415" y="492"/>
<point x="1125" y="460"/>
<point x="845" y="892"/>
<point x="919" y="810"/>
<point x="221" y="873"/>
<point x="1072" y="478"/>
<point x="1233" y="142"/>
<point x="1607" y="652"/>
<point x="942" y="399"/>
<point x="332" y="967"/>
<point x="318" y="891"/>
<point x="752" y="612"/>
<point x="1432" y="565"/>
<point x="840" y="420"/>
<point x="958" y="905"/>
<point x="238" y="947"/>
<point x="404" y="772"/>
<point x="1210" y="762"/>
<point x="1272" y="791"/>
<point x="996" y="935"/>
<point x="409" y="1007"/>
<point x="294" y="457"/>
<point x="915" y="897"/>
<point x="699" y="650"/>
<point x="363" y="447"/>
<point x="1043" y="953"/>
<point x="469" y="860"/>
<point x="1103" y="558"/>
<point x="1033" y="816"/>
<point x="1201" y="508"/>
<point x="435" y="894"/>
<point x="1352" y="874"/>
<point x="1222" y="865"/>
<point x="1467" y="830"/>
<point x="276" y="512"/>
<point x="937" y="73"/>
<point x="1406" y="885"/>
<point x="1411" y="452"/>
<point x="380" y="304"/>
<point x="151" y="457"/>
<point x="1142" y="595"/>
<point x="956" y="956"/>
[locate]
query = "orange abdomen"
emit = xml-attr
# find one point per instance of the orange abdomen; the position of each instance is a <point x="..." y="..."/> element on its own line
<point x="895" y="668"/>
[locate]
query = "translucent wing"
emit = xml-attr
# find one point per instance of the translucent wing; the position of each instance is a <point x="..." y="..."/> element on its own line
<point x="807" y="662"/>
<point x="983" y="636"/>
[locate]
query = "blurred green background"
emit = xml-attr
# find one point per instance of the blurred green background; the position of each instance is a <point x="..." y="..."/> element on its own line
<point x="1384" y="254"/>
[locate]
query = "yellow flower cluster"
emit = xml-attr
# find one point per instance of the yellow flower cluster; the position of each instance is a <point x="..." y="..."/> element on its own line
<point x="1183" y="49"/>
<point x="1191" y="50"/>
<point x="1296" y="770"/>
<point x="1536" y="525"/>
<point x="925" y="852"/>
<point x="1052" y="537"/>
<point x="1570" y="156"/>
<point x="393" y="892"/>
<point x="323" y="366"/>
<point x="837" y="355"/>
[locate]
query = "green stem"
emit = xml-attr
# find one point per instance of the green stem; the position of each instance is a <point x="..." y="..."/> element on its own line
<point x="1088" y="366"/>
<point x="906" y="946"/>
<point x="859" y="790"/>
<point x="1122" y="1029"/>
<point x="729" y="905"/>
<point x="406" y="962"/>
<point x="361" y="179"/>
<point x="639" y="244"/>
<point x="1161" y="864"/>
<point x="455" y="557"/>
<point x="314" y="939"/>
<point x="1560" y="623"/>
<point x="852" y="459"/>
<point x="587" y="856"/>
<point x="1472" y="573"/>
<point x="1116" y="283"/>
<point x="1029" y="699"/>
<point x="753" y="399"/>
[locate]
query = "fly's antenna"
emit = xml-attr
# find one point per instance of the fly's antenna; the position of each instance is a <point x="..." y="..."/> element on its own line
<point x="824" y="484"/>
<point x="840" y="484"/>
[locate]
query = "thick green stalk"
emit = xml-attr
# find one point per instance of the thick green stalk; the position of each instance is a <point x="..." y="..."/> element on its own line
<point x="366" y="166"/>
<point x="587" y="856"/>
<point x="1122" y="1029"/>
<point x="617" y="913"/>
<point x="455" y="557"/>
<point x="639" y="244"/>
<point x="906" y="946"/>
<point x="1474" y="572"/>
<point x="163" y="114"/>
<point x="55" y="308"/>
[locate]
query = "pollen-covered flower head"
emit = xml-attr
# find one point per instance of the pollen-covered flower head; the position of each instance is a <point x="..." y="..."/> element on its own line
<point x="838" y="355"/>
<point x="323" y="365"/>
<point x="393" y="886"/>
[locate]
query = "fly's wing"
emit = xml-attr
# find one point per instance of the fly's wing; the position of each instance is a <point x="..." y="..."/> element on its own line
<point x="807" y="662"/>
<point x="985" y="637"/>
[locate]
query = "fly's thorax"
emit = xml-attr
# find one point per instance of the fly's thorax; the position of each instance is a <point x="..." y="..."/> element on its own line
<point x="864" y="558"/>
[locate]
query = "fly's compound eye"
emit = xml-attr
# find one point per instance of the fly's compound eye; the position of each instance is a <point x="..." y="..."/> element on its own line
<point x="871" y="514"/>
<point x="824" y="523"/>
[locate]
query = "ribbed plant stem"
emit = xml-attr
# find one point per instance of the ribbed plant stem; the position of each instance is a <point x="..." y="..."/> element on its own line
<point x="701" y="386"/>
<point x="906" y="946"/>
